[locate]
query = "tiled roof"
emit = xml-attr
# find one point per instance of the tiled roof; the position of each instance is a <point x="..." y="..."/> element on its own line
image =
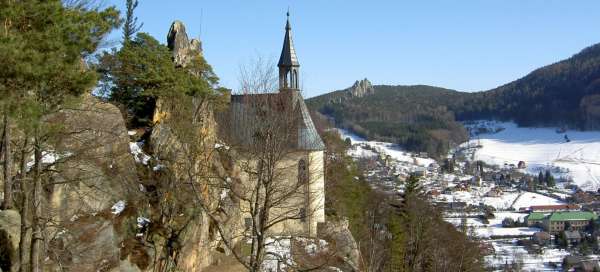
<point x="244" y="121"/>
<point x="555" y="207"/>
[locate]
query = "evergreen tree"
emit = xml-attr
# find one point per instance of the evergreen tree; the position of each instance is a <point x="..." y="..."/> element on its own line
<point x="396" y="244"/>
<point x="42" y="48"/>
<point x="131" y="25"/>
<point x="412" y="186"/>
<point x="541" y="179"/>
<point x="136" y="74"/>
<point x="549" y="179"/>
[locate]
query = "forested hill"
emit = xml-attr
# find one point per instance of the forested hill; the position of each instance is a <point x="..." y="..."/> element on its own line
<point x="413" y="116"/>
<point x="566" y="93"/>
<point x="422" y="118"/>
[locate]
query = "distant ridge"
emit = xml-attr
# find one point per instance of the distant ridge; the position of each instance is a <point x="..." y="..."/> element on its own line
<point x="424" y="118"/>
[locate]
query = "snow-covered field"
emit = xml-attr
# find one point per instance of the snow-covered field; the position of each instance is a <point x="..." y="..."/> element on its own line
<point x="390" y="149"/>
<point x="494" y="227"/>
<point x="507" y="252"/>
<point x="543" y="148"/>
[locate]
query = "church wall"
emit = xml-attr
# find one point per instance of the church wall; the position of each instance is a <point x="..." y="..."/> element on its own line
<point x="310" y="197"/>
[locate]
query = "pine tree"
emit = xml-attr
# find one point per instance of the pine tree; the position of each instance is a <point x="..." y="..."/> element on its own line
<point x="131" y="25"/>
<point x="136" y="74"/>
<point x="396" y="245"/>
<point x="42" y="47"/>
<point x="412" y="186"/>
<point x="549" y="179"/>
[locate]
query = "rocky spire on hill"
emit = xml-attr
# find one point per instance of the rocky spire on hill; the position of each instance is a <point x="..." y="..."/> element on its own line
<point x="361" y="88"/>
<point x="183" y="49"/>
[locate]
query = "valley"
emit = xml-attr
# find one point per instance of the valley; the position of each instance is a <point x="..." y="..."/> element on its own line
<point x="481" y="204"/>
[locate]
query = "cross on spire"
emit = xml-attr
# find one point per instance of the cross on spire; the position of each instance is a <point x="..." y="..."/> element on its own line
<point x="288" y="61"/>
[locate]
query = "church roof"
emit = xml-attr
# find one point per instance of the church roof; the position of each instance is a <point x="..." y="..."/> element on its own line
<point x="245" y="120"/>
<point x="288" y="53"/>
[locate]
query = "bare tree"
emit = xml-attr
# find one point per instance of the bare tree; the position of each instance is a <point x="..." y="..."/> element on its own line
<point x="281" y="187"/>
<point x="275" y="186"/>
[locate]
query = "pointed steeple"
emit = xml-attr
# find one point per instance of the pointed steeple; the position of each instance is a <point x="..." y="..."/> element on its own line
<point x="288" y="61"/>
<point x="288" y="53"/>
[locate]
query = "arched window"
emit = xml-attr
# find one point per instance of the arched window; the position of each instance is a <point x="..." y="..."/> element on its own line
<point x="295" y="82"/>
<point x="303" y="180"/>
<point x="288" y="79"/>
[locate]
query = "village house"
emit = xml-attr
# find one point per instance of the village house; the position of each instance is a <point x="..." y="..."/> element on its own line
<point x="541" y="238"/>
<point x="560" y="221"/>
<point x="555" y="208"/>
<point x="572" y="237"/>
<point x="535" y="219"/>
<point x="303" y="159"/>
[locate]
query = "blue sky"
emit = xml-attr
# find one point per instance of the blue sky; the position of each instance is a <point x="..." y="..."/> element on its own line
<point x="467" y="45"/>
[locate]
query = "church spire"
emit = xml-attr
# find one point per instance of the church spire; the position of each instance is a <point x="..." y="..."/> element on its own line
<point x="288" y="61"/>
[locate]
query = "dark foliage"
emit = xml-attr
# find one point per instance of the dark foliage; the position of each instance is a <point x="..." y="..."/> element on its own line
<point x="412" y="116"/>
<point x="566" y="93"/>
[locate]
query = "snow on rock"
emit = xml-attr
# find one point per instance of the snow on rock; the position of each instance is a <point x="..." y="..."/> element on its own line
<point x="138" y="153"/>
<point x="278" y="254"/>
<point x="118" y="207"/>
<point x="224" y="193"/>
<point x="48" y="157"/>
<point x="219" y="146"/>
<point x="158" y="167"/>
<point x="131" y="132"/>
<point x="313" y="246"/>
<point x="142" y="222"/>
<point x="544" y="148"/>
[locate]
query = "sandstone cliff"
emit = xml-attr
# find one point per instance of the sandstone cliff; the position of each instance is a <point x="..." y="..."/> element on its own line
<point x="361" y="88"/>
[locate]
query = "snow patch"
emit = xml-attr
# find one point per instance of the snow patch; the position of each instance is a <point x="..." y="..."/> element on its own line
<point x="48" y="157"/>
<point x="138" y="153"/>
<point x="142" y="222"/>
<point x="118" y="207"/>
<point x="278" y="254"/>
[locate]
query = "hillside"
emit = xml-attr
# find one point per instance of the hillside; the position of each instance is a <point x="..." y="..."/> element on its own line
<point x="566" y="93"/>
<point x="414" y="116"/>
<point x="424" y="118"/>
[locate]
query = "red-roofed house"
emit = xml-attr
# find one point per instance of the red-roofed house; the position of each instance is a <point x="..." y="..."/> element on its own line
<point x="555" y="208"/>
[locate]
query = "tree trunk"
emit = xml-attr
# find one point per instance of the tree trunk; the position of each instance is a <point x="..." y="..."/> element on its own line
<point x="25" y="241"/>
<point x="36" y="235"/>
<point x="8" y="196"/>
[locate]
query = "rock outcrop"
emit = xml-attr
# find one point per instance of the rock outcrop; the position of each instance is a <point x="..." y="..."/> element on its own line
<point x="94" y="158"/>
<point x="346" y="249"/>
<point x="10" y="229"/>
<point x="361" y="88"/>
<point x="95" y="169"/>
<point x="178" y="42"/>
